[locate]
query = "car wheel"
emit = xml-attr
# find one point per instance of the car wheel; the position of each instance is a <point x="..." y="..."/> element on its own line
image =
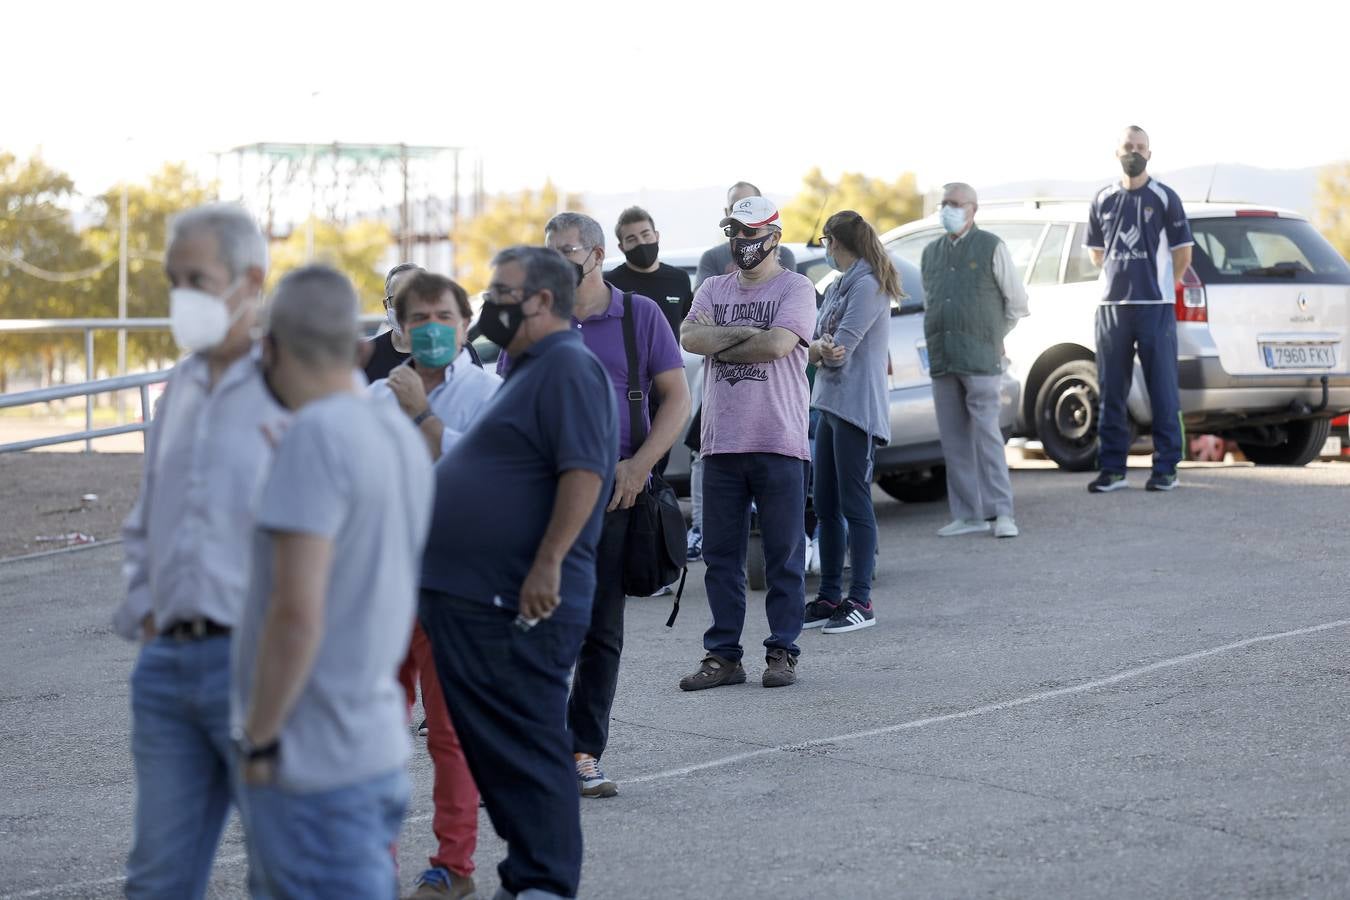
<point x="922" y="486"/>
<point x="1067" y="409"/>
<point x="755" y="572"/>
<point x="1302" y="445"/>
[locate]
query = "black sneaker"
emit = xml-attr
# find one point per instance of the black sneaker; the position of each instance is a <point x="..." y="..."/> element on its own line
<point x="819" y="611"/>
<point x="422" y="729"/>
<point x="1161" y="481"/>
<point x="850" y="616"/>
<point x="1107" y="482"/>
<point x="713" y="672"/>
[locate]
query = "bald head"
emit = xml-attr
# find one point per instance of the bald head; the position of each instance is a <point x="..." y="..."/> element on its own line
<point x="313" y="316"/>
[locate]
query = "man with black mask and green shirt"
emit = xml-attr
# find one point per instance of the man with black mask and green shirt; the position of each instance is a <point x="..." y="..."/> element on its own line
<point x="644" y="274"/>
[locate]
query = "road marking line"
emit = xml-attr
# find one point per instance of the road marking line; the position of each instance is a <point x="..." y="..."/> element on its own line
<point x="1127" y="675"/>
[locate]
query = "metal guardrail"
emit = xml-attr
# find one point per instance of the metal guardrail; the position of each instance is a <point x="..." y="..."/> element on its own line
<point x="91" y="386"/>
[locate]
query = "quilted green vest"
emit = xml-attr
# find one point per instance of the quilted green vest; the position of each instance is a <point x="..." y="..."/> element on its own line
<point x="963" y="319"/>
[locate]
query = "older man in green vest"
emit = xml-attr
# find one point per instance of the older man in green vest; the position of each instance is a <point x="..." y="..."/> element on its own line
<point x="974" y="298"/>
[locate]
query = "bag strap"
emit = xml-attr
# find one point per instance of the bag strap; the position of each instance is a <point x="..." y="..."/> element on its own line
<point x="675" y="608"/>
<point x="637" y="428"/>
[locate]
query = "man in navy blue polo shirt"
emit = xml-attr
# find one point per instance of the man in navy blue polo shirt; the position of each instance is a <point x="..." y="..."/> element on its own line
<point x="1138" y="234"/>
<point x="510" y="564"/>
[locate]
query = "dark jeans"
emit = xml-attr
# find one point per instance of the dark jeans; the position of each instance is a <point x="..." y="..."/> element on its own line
<point x="1153" y="328"/>
<point x="777" y="486"/>
<point x="507" y="695"/>
<point x="843" y="491"/>
<point x="597" y="674"/>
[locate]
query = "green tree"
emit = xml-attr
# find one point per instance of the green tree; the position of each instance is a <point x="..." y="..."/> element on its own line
<point x="506" y="220"/>
<point x="1333" y="205"/>
<point x="354" y="250"/>
<point x="150" y="206"/>
<point x="884" y="204"/>
<point x="45" y="270"/>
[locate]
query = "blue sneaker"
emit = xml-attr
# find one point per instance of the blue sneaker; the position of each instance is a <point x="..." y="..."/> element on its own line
<point x="694" y="546"/>
<point x="437" y="884"/>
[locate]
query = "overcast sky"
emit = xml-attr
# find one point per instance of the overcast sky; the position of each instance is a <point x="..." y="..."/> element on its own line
<point x="606" y="96"/>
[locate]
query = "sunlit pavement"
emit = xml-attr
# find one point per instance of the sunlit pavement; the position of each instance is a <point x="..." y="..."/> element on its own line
<point x="1144" y="695"/>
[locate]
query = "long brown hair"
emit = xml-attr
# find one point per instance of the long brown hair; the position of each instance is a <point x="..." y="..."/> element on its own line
<point x="858" y="237"/>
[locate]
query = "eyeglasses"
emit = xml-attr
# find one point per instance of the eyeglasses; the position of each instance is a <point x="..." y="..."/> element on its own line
<point x="388" y="302"/>
<point x="735" y="227"/>
<point x="496" y="292"/>
<point x="569" y="249"/>
<point x="824" y="240"/>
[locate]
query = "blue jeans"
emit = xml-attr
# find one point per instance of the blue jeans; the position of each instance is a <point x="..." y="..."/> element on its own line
<point x="1153" y="328"/>
<point x="843" y="492"/>
<point x="180" y="744"/>
<point x="325" y="844"/>
<point x="777" y="486"/>
<point x="507" y="694"/>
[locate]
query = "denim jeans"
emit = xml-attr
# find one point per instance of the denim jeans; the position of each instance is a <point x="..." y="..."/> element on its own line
<point x="325" y="844"/>
<point x="180" y="744"/>
<point x="507" y="694"/>
<point x="843" y="495"/>
<point x="597" y="674"/>
<point x="776" y="484"/>
<point x="1152" y="327"/>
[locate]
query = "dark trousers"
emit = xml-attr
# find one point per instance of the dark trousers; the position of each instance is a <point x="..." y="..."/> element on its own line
<point x="507" y="695"/>
<point x="843" y="492"/>
<point x="777" y="486"/>
<point x="1152" y="328"/>
<point x="597" y="675"/>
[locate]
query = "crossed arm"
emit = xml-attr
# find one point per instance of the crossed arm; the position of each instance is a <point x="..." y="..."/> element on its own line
<point x="736" y="343"/>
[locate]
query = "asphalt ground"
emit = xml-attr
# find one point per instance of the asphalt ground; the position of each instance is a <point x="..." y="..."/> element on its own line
<point x="1144" y="695"/>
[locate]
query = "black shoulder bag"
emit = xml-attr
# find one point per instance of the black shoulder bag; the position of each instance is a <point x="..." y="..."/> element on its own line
<point x="655" y="549"/>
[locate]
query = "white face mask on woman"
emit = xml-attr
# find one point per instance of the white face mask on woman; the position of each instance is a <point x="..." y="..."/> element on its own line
<point x="200" y="321"/>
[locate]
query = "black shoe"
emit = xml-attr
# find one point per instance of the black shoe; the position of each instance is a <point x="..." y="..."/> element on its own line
<point x="819" y="611"/>
<point x="1161" y="481"/>
<point x="850" y="616"/>
<point x="422" y="729"/>
<point x="713" y="672"/>
<point x="1107" y="482"/>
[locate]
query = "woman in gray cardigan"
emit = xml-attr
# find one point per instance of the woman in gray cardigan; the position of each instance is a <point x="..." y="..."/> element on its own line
<point x="850" y="350"/>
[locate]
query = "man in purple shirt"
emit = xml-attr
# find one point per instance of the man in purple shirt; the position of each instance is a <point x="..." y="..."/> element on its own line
<point x="598" y="314"/>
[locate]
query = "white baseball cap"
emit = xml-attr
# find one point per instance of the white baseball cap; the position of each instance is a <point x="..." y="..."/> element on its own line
<point x="753" y="212"/>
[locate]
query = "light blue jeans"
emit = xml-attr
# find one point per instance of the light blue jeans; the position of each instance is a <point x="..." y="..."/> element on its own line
<point x="180" y="742"/>
<point x="328" y="845"/>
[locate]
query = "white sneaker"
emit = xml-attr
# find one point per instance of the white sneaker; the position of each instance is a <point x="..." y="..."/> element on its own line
<point x="813" y="557"/>
<point x="1005" y="527"/>
<point x="964" y="526"/>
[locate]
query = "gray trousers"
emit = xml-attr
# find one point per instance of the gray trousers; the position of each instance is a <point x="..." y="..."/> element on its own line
<point x="978" y="486"/>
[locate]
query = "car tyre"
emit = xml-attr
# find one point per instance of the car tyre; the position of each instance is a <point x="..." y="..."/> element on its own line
<point x="922" y="486"/>
<point x="1303" y="445"/>
<point x="1068" y="407"/>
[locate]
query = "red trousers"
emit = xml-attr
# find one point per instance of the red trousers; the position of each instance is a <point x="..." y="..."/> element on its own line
<point x="453" y="793"/>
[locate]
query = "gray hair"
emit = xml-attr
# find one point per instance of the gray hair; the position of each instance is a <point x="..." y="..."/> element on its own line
<point x="239" y="242"/>
<point x="742" y="186"/>
<point x="588" y="230"/>
<point x="545" y="270"/>
<point x="960" y="187"/>
<point x="399" y="270"/>
<point x="313" y="314"/>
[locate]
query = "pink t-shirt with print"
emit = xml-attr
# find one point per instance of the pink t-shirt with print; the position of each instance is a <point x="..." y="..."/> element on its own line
<point x="758" y="407"/>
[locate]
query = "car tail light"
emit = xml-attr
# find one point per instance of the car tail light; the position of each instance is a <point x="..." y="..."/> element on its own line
<point x="1191" y="303"/>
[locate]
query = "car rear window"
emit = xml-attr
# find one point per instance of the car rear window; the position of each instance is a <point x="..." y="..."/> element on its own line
<point x="1264" y="249"/>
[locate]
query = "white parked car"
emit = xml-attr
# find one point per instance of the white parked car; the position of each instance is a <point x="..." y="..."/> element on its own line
<point x="1262" y="319"/>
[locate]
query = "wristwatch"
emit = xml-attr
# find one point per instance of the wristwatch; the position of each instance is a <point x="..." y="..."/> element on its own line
<point x="422" y="416"/>
<point x="251" y="752"/>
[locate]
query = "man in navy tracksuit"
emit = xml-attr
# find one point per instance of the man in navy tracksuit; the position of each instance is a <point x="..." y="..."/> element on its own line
<point x="1138" y="234"/>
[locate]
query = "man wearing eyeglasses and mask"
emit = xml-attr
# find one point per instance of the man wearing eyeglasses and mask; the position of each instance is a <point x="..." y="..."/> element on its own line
<point x="188" y="546"/>
<point x="507" y="603"/>
<point x="384" y="352"/>
<point x="754" y="325"/>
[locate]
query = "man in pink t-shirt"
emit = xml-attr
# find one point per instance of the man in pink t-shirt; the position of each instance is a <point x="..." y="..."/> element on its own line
<point x="753" y="326"/>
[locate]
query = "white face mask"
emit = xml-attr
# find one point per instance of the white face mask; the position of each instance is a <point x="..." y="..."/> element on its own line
<point x="953" y="219"/>
<point x="200" y="321"/>
<point x="393" y="322"/>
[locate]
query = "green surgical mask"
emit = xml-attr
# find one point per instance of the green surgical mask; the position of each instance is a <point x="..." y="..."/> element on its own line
<point x="433" y="345"/>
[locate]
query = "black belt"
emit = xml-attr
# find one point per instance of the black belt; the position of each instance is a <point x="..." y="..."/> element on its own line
<point x="195" y="630"/>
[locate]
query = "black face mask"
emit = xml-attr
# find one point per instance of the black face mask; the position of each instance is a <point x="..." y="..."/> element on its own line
<point x="748" y="253"/>
<point x="499" y="322"/>
<point x="1133" y="164"/>
<point x="642" y="256"/>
